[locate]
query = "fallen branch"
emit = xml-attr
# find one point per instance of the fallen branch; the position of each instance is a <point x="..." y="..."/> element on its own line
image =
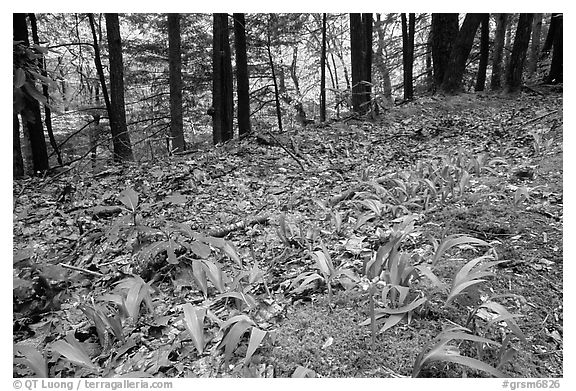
<point x="219" y="233"/>
<point x="540" y="117"/>
<point x="82" y="270"/>
<point x="287" y="151"/>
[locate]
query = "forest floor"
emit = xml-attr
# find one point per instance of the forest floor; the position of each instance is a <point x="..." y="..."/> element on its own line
<point x="336" y="192"/>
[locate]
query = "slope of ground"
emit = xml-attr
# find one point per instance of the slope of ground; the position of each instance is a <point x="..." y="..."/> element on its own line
<point x="277" y="199"/>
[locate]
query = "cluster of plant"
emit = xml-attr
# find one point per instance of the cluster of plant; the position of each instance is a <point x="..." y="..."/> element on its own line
<point x="400" y="283"/>
<point x="117" y="313"/>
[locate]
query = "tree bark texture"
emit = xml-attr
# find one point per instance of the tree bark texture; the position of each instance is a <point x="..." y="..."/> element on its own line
<point x="242" y="84"/>
<point x="323" y="72"/>
<point x="222" y="94"/>
<point x="119" y="130"/>
<point x="484" y="53"/>
<point x="535" y="44"/>
<point x="556" y="68"/>
<point x="519" y="51"/>
<point x="408" y="54"/>
<point x="175" y="70"/>
<point x="456" y="65"/>
<point x="444" y="32"/>
<point x="361" y="59"/>
<point x="499" y="35"/>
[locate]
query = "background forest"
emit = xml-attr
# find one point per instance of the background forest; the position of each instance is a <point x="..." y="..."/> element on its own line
<point x="272" y="195"/>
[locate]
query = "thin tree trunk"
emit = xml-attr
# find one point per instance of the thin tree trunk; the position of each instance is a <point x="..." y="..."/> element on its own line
<point x="408" y="54"/>
<point x="222" y="94"/>
<point x="47" y="111"/>
<point x="242" y="84"/>
<point x="496" y="80"/>
<point x="274" y="81"/>
<point x="484" y="53"/>
<point x="120" y="136"/>
<point x="323" y="72"/>
<point x="380" y="62"/>
<point x="518" y="56"/>
<point x="535" y="45"/>
<point x="175" y="70"/>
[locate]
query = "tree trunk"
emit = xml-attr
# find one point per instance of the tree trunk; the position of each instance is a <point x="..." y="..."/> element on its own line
<point x="175" y="69"/>
<point x="456" y="66"/>
<point x="361" y="59"/>
<point x="444" y="32"/>
<point x="484" y="53"/>
<point x="535" y="45"/>
<point x="17" y="161"/>
<point x="31" y="116"/>
<point x="518" y="55"/>
<point x="408" y="54"/>
<point x="556" y="68"/>
<point x="45" y="92"/>
<point x="551" y="32"/>
<point x="222" y="94"/>
<point x="119" y="130"/>
<point x="323" y="72"/>
<point x="496" y="80"/>
<point x="242" y="84"/>
<point x="380" y="62"/>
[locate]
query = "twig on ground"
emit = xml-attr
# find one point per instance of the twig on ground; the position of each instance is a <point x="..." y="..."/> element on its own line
<point x="82" y="270"/>
<point x="287" y="151"/>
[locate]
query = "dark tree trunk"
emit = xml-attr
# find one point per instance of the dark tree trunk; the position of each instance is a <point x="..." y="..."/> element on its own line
<point x="361" y="54"/>
<point x="222" y="89"/>
<point x="17" y="161"/>
<point x="551" y="32"/>
<point x="408" y="54"/>
<point x="456" y="66"/>
<point x="175" y="69"/>
<point x="518" y="55"/>
<point x="31" y="116"/>
<point x="444" y="32"/>
<point x="242" y="84"/>
<point x="45" y="92"/>
<point x="556" y="68"/>
<point x="367" y="23"/>
<point x="484" y="53"/>
<point x="496" y="80"/>
<point x="120" y="136"/>
<point x="535" y="44"/>
<point x="323" y="72"/>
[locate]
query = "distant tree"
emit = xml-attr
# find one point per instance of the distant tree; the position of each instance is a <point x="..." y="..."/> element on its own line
<point x="484" y="53"/>
<point x="120" y="136"/>
<point x="29" y="108"/>
<point x="323" y="72"/>
<point x="175" y="69"/>
<point x="380" y="61"/>
<point x="242" y="84"/>
<point x="519" y="51"/>
<point x="452" y="81"/>
<point x="361" y="59"/>
<point x="444" y="32"/>
<point x="535" y="44"/>
<point x="556" y="68"/>
<point x="497" y="56"/>
<point x="408" y="54"/>
<point x="222" y="90"/>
